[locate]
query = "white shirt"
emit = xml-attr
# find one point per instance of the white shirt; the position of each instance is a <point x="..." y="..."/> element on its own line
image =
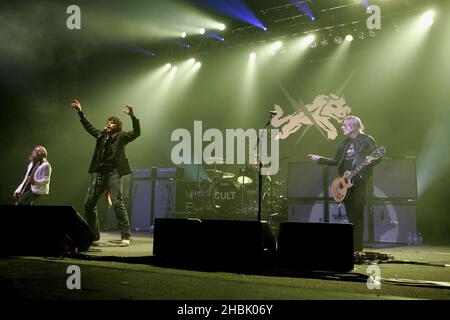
<point x="41" y="184"/>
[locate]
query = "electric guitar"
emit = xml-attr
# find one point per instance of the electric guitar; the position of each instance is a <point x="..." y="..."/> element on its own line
<point x="340" y="185"/>
<point x="29" y="178"/>
<point x="27" y="183"/>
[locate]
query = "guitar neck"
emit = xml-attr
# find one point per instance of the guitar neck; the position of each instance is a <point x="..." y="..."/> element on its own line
<point x="377" y="154"/>
<point x="358" y="169"/>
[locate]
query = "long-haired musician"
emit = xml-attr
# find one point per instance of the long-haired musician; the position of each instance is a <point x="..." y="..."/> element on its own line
<point x="37" y="178"/>
<point x="356" y="148"/>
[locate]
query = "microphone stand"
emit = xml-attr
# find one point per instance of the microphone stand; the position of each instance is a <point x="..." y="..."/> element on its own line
<point x="258" y="157"/>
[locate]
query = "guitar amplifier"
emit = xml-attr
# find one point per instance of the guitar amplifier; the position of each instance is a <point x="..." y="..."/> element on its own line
<point x="394" y="221"/>
<point x="169" y="192"/>
<point x="395" y="178"/>
<point x="305" y="179"/>
<point x="140" y="192"/>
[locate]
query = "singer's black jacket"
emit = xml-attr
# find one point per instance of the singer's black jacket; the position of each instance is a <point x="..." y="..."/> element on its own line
<point x="364" y="146"/>
<point x="118" y="142"/>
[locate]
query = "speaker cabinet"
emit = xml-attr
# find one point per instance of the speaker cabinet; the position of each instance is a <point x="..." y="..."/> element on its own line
<point x="395" y="178"/>
<point x="43" y="231"/>
<point x="307" y="179"/>
<point x="169" y="192"/>
<point x="309" y="246"/>
<point x="140" y="192"/>
<point x="224" y="242"/>
<point x="393" y="222"/>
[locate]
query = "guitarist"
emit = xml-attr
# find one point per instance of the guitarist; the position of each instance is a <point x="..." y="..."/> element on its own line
<point x="355" y="149"/>
<point x="37" y="178"/>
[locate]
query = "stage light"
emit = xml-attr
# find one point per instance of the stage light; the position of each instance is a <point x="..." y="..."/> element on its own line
<point x="427" y="19"/>
<point x="183" y="34"/>
<point x="191" y="61"/>
<point x="252" y="56"/>
<point x="221" y="26"/>
<point x="338" y="40"/>
<point x="202" y="30"/>
<point x="324" y="42"/>
<point x="372" y="34"/>
<point x="349" y="38"/>
<point x="222" y="39"/>
<point x="361" y="35"/>
<point x="264" y="28"/>
<point x="277" y="45"/>
<point x="309" y="39"/>
<point x="197" y="65"/>
<point x="313" y="44"/>
<point x="167" y="66"/>
<point x="174" y="69"/>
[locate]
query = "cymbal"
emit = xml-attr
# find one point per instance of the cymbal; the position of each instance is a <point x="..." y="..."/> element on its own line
<point x="214" y="171"/>
<point x="216" y="160"/>
<point x="228" y="175"/>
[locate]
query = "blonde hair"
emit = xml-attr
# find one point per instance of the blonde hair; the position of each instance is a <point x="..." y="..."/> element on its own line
<point x="355" y="123"/>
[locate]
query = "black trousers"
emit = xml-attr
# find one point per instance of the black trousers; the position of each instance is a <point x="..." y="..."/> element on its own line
<point x="107" y="181"/>
<point x="27" y="198"/>
<point x="354" y="206"/>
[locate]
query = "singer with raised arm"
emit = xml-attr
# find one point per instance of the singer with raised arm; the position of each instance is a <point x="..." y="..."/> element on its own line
<point x="354" y="153"/>
<point x="109" y="163"/>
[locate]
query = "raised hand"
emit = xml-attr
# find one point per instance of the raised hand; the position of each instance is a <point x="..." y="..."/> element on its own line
<point x="76" y="105"/>
<point x="313" y="157"/>
<point x="129" y="110"/>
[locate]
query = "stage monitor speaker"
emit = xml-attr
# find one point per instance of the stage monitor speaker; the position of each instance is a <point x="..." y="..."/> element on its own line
<point x="315" y="212"/>
<point x="176" y="238"/>
<point x="224" y="242"/>
<point x="308" y="246"/>
<point x="43" y="231"/>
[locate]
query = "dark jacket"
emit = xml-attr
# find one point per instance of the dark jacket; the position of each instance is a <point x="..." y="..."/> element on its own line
<point x="118" y="142"/>
<point x="364" y="146"/>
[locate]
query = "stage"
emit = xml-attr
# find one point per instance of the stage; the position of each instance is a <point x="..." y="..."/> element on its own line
<point x="266" y="139"/>
<point x="112" y="272"/>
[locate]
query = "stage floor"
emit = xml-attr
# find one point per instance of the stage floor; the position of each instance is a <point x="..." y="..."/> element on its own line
<point x="112" y="272"/>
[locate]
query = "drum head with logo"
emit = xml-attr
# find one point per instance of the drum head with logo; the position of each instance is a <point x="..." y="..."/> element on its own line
<point x="227" y="196"/>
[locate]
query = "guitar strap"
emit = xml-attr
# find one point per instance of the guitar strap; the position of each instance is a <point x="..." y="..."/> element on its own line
<point x="355" y="150"/>
<point x="30" y="174"/>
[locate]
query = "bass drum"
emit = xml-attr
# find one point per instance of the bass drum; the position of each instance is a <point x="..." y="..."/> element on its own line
<point x="228" y="196"/>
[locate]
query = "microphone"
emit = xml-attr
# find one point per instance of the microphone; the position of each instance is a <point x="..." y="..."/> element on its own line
<point x="105" y="134"/>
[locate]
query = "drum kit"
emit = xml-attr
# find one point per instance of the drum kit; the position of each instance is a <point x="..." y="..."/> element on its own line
<point x="226" y="193"/>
